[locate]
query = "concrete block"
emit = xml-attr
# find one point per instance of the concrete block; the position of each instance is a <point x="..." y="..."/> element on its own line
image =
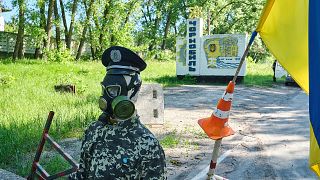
<point x="150" y="104"/>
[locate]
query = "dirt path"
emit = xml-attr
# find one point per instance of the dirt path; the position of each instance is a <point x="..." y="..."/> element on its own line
<point x="272" y="133"/>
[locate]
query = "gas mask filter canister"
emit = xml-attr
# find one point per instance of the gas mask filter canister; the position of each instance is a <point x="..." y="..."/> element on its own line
<point x="123" y="108"/>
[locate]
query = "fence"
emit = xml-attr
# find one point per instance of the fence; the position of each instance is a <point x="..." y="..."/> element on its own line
<point x="8" y="41"/>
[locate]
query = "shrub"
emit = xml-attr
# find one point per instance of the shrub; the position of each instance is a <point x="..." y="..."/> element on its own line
<point x="59" y="55"/>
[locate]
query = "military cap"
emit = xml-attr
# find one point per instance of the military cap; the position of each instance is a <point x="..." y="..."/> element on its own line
<point x="120" y="60"/>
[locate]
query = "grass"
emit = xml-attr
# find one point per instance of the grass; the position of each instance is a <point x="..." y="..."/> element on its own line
<point x="27" y="95"/>
<point x="165" y="74"/>
<point x="171" y="140"/>
<point x="260" y="74"/>
<point x="56" y="164"/>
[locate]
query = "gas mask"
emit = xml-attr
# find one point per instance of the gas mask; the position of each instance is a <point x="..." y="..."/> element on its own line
<point x="119" y="93"/>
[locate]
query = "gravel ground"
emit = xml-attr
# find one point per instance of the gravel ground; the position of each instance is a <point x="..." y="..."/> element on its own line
<point x="271" y="140"/>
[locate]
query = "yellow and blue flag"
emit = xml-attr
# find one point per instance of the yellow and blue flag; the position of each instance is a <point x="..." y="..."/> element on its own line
<point x="291" y="31"/>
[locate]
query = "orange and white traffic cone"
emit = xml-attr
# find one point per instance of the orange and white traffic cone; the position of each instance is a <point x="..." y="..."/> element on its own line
<point x="216" y="126"/>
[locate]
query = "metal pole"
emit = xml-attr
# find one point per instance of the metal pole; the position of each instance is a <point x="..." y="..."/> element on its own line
<point x="214" y="158"/>
<point x="253" y="35"/>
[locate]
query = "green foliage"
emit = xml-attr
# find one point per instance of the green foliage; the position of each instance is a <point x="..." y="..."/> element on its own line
<point x="145" y="26"/>
<point x="258" y="51"/>
<point x="165" y="55"/>
<point x="235" y="16"/>
<point x="12" y="26"/>
<point x="55" y="55"/>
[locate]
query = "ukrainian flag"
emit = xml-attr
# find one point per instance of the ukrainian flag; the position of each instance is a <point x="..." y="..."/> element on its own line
<point x="291" y="31"/>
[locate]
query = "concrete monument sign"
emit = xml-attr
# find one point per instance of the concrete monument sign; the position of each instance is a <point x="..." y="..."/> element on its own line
<point x="212" y="55"/>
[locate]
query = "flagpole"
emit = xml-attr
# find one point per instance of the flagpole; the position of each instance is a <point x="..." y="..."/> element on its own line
<point x="253" y="35"/>
<point x="217" y="144"/>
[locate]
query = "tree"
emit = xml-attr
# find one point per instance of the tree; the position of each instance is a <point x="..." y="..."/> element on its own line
<point x="147" y="26"/>
<point x="68" y="31"/>
<point x="113" y="23"/>
<point x="86" y="23"/>
<point x="57" y="24"/>
<point x="64" y="20"/>
<point x="49" y="24"/>
<point x="42" y="25"/>
<point x="18" y="48"/>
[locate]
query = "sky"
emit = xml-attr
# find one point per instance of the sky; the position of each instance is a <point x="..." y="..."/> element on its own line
<point x="8" y="4"/>
<point x="7" y="15"/>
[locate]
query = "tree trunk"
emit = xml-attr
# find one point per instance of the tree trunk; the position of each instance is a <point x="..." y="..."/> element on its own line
<point x="43" y="26"/>
<point x="129" y="11"/>
<point x="57" y="18"/>
<point x="104" y="22"/>
<point x="83" y="36"/>
<point x="73" y="13"/>
<point x="93" y="52"/>
<point x="49" y="24"/>
<point x="154" y="34"/>
<point x="209" y="22"/>
<point x="166" y="31"/>
<point x="18" y="49"/>
<point x="64" y="20"/>
<point x="112" y="40"/>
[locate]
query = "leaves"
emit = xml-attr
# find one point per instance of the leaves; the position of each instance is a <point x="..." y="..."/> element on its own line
<point x="142" y="25"/>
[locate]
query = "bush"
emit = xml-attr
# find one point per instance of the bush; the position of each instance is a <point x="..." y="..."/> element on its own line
<point x="59" y="55"/>
<point x="258" y="51"/>
<point x="161" y="55"/>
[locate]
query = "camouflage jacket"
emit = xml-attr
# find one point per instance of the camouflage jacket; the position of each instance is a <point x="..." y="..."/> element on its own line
<point x="126" y="150"/>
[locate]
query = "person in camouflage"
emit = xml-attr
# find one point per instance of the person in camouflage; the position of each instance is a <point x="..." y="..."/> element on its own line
<point x="118" y="145"/>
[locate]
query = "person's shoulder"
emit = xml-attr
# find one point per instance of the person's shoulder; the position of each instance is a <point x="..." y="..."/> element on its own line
<point x="143" y="131"/>
<point x="96" y="125"/>
<point x="94" y="128"/>
<point x="145" y="136"/>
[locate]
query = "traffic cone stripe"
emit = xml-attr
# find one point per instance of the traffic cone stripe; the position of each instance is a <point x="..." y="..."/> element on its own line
<point x="224" y="105"/>
<point x="227" y="96"/>
<point x="221" y="114"/>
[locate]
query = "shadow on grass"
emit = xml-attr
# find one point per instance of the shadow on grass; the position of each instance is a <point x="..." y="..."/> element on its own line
<point x="171" y="81"/>
<point x="262" y="81"/>
<point x="248" y="80"/>
<point x="23" y="61"/>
